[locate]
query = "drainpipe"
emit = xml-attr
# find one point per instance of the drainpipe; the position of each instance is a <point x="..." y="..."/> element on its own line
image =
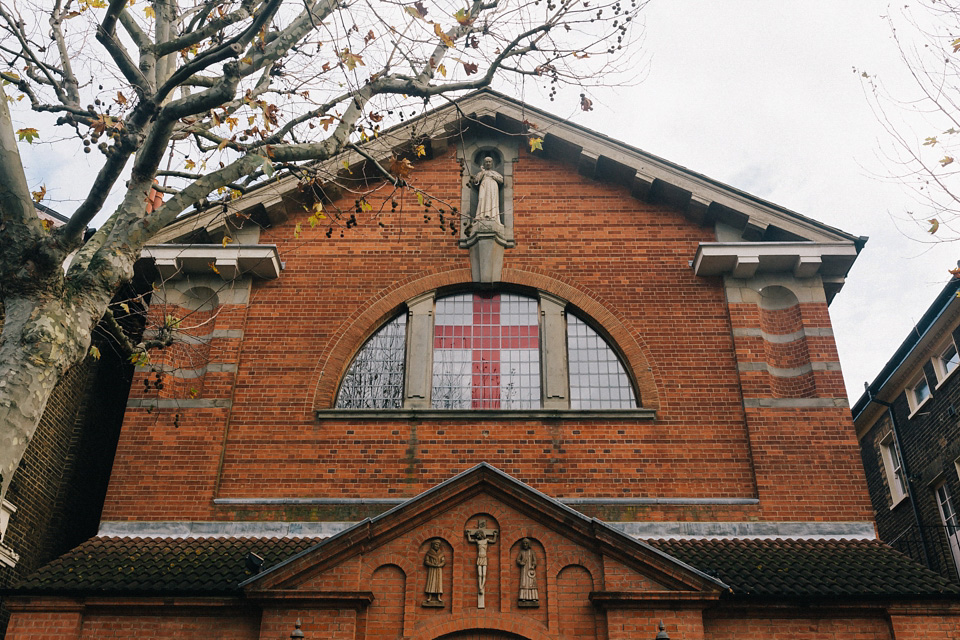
<point x="906" y="472"/>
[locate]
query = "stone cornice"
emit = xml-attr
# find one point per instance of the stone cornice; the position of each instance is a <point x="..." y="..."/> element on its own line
<point x="829" y="260"/>
<point x="649" y="177"/>
<point x="229" y="262"/>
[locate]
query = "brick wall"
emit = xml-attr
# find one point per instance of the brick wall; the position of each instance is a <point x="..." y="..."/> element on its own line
<point x="805" y="628"/>
<point x="624" y="263"/>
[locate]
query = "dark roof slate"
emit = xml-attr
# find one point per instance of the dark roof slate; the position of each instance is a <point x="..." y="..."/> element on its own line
<point x="809" y="568"/>
<point x="159" y="566"/>
<point x="752" y="567"/>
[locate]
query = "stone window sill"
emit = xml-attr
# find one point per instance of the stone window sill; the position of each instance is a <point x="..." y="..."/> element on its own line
<point x="916" y="409"/>
<point x="897" y="500"/>
<point x="943" y="380"/>
<point x="487" y="414"/>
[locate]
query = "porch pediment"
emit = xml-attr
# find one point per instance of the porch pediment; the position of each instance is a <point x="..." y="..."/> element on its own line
<point x="483" y="546"/>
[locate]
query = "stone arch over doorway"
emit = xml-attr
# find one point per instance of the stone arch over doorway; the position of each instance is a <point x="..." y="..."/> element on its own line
<point x="481" y="634"/>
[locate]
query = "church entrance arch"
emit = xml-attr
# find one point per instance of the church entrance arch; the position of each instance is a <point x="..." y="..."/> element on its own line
<point x="481" y="634"/>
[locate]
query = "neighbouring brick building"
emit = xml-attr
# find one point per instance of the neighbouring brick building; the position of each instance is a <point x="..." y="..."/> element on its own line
<point x="607" y="404"/>
<point x="56" y="495"/>
<point x="909" y="433"/>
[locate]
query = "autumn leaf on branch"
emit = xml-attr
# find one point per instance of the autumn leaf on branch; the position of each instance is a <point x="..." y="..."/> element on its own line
<point x="463" y="17"/>
<point x="420" y="150"/>
<point x="401" y="167"/>
<point x="944" y="161"/>
<point x="417" y="11"/>
<point x="350" y="60"/>
<point x="28" y="135"/>
<point x="102" y="123"/>
<point x="934" y="225"/>
<point x="38" y="195"/>
<point x="536" y="144"/>
<point x="444" y="38"/>
<point x="586" y="104"/>
<point x="470" y="67"/>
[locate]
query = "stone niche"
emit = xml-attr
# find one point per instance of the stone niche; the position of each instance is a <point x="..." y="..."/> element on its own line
<point x="487" y="236"/>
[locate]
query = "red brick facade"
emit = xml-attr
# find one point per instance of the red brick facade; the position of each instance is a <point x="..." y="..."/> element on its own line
<point x="626" y="268"/>
<point x="750" y="426"/>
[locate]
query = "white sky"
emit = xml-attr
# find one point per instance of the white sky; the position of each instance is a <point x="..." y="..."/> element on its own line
<point x="760" y="95"/>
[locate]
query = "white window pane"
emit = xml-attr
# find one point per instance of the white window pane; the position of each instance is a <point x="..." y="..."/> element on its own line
<point x="375" y="377"/>
<point x="597" y="377"/>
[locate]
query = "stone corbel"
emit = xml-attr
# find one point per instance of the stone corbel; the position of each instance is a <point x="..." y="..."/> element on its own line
<point x="486" y="243"/>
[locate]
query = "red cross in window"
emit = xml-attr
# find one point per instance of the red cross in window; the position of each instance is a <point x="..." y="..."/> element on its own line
<point x="485" y="338"/>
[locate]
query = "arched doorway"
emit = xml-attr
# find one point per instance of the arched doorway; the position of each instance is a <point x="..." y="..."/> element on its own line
<point x="480" y="634"/>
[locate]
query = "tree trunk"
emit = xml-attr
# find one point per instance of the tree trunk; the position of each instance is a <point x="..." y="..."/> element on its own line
<point x="41" y="339"/>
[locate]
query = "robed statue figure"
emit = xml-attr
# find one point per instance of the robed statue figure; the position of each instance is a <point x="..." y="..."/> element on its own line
<point x="434" y="561"/>
<point x="488" y="184"/>
<point x="527" y="560"/>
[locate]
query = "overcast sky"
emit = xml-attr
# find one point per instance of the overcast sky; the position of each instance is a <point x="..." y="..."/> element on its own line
<point x="760" y="95"/>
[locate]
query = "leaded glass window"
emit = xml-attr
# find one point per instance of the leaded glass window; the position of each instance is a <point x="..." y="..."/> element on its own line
<point x="486" y="352"/>
<point x="597" y="379"/>
<point x="375" y="377"/>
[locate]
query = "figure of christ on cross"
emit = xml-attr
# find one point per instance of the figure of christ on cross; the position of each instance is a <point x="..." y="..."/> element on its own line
<point x="481" y="536"/>
<point x="486" y="348"/>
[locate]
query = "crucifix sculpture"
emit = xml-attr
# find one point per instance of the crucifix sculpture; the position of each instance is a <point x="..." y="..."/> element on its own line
<point x="481" y="536"/>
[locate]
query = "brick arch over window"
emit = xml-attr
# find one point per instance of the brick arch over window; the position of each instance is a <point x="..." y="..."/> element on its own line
<point x="353" y="333"/>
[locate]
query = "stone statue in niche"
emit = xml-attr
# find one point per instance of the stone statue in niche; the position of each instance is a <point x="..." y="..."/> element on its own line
<point x="527" y="560"/>
<point x="487" y="182"/>
<point x="481" y="536"/>
<point x="434" y="561"/>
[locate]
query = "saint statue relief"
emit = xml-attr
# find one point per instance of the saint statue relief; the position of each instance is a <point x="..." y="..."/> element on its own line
<point x="527" y="560"/>
<point x="487" y="181"/>
<point x="434" y="561"/>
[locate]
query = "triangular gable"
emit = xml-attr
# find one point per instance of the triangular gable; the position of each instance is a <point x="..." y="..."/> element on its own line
<point x="624" y="566"/>
<point x="649" y="177"/>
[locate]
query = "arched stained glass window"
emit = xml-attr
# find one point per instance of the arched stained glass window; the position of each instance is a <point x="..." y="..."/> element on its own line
<point x="597" y="379"/>
<point x="375" y="377"/>
<point x="486" y="352"/>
